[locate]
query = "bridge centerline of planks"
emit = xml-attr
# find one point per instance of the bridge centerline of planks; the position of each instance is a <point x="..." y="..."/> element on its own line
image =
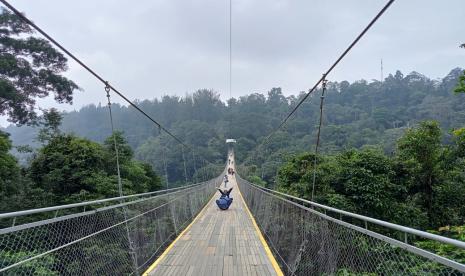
<point x="218" y="243"/>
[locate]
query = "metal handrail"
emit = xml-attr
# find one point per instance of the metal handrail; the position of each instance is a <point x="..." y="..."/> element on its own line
<point x="386" y="224"/>
<point x="87" y="203"/>
<point x="31" y="258"/>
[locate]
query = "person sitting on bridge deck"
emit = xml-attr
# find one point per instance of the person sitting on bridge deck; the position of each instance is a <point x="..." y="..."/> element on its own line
<point x="225" y="200"/>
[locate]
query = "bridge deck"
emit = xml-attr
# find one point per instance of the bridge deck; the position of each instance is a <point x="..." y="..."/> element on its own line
<point x="218" y="243"/>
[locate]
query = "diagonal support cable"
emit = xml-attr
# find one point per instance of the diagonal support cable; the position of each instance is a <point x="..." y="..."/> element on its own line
<point x="92" y="72"/>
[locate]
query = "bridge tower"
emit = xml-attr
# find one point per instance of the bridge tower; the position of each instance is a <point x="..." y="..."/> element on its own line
<point x="230" y="143"/>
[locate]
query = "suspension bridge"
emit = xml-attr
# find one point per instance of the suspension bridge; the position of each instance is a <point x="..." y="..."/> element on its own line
<point x="219" y="243"/>
<point x="180" y="231"/>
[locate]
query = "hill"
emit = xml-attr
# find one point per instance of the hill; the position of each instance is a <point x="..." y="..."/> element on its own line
<point x="356" y="115"/>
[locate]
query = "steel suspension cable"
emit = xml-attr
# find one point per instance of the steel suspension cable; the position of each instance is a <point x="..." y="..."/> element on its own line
<point x="347" y="50"/>
<point x="184" y="162"/>
<point x="318" y="134"/>
<point x="91" y="71"/>
<point x="195" y="167"/>
<point x="120" y="186"/>
<point x="230" y="49"/>
<point x="202" y="170"/>
<point x="205" y="171"/>
<point x="165" y="167"/>
<point x="163" y="152"/>
<point x="330" y="69"/>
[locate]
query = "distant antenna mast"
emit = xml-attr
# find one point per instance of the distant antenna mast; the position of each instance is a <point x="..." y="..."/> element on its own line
<point x="230" y="49"/>
<point x="382" y="75"/>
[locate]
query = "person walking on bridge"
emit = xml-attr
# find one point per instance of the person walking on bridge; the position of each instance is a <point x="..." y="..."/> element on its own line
<point x="225" y="179"/>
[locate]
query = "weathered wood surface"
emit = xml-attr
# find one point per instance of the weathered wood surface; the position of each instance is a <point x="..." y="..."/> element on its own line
<point x="218" y="243"/>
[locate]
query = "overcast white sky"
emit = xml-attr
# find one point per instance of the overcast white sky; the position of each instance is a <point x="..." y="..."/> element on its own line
<point x="149" y="48"/>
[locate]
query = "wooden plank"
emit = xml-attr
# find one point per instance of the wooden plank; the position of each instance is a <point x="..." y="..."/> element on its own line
<point x="218" y="243"/>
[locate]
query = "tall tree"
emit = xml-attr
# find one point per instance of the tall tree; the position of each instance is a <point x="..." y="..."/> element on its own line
<point x="9" y="169"/>
<point x="67" y="165"/>
<point x="420" y="148"/>
<point x="461" y="86"/>
<point x="30" y="68"/>
<point x="50" y="122"/>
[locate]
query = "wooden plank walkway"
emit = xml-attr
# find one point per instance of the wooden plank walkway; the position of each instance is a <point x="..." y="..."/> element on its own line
<point x="218" y="243"/>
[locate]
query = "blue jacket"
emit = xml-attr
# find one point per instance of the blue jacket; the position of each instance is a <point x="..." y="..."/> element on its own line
<point x="224" y="201"/>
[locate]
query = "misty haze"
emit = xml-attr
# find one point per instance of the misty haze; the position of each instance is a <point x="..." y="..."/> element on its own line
<point x="170" y="137"/>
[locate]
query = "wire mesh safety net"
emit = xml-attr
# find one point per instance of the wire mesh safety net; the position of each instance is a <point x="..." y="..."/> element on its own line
<point x="307" y="242"/>
<point x="120" y="239"/>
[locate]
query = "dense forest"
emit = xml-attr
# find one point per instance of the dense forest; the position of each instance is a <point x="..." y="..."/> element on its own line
<point x="68" y="169"/>
<point x="356" y="115"/>
<point x="392" y="150"/>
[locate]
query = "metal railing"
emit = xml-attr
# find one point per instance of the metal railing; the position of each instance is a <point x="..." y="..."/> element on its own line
<point x="119" y="239"/>
<point x="89" y="203"/>
<point x="313" y="239"/>
<point x="393" y="226"/>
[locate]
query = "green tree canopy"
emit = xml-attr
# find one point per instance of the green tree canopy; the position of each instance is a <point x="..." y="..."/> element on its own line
<point x="30" y="68"/>
<point x="420" y="149"/>
<point x="50" y="122"/>
<point x="9" y="169"/>
<point x="67" y="164"/>
<point x="461" y="85"/>
<point x="75" y="169"/>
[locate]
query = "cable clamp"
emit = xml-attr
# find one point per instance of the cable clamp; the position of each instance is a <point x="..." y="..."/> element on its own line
<point x="325" y="81"/>
<point x="107" y="87"/>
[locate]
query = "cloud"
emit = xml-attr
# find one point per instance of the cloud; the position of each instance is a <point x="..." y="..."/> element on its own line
<point x="149" y="48"/>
